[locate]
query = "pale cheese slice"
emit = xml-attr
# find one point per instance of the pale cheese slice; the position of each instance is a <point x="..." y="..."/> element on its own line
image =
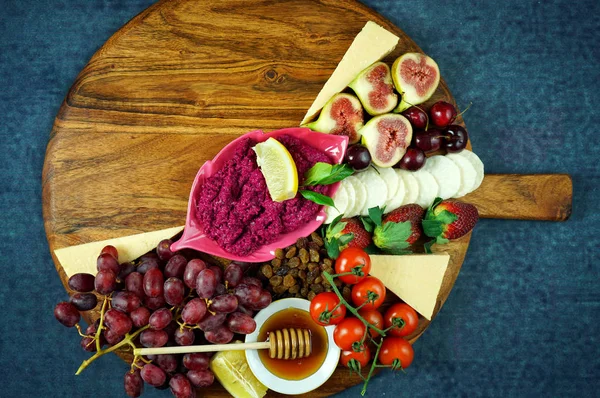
<point x="369" y="46"/>
<point x="416" y="279"/>
<point x="82" y="258"/>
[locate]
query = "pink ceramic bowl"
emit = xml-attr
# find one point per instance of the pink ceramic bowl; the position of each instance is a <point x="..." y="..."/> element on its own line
<point x="193" y="237"/>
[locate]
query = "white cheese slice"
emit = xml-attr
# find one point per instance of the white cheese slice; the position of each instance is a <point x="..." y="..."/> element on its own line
<point x="416" y="279"/>
<point x="82" y="258"/>
<point x="369" y="46"/>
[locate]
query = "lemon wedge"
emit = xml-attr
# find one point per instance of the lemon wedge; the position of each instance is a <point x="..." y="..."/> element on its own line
<point x="233" y="372"/>
<point x="278" y="168"/>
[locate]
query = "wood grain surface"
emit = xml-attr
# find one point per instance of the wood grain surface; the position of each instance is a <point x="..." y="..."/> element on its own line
<point x="181" y="80"/>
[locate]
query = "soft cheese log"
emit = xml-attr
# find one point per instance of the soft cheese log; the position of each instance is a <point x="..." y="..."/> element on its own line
<point x="82" y="258"/>
<point x="416" y="279"/>
<point x="369" y="46"/>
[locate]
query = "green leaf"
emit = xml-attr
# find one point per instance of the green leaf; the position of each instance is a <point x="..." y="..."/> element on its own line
<point x="316" y="173"/>
<point x="336" y="230"/>
<point x="326" y="174"/>
<point x="372" y="249"/>
<point x="368" y="224"/>
<point x="432" y="228"/>
<point x="392" y="236"/>
<point x="345" y="239"/>
<point x="376" y="215"/>
<point x="428" y="245"/>
<point x="335" y="221"/>
<point x="317" y="198"/>
<point x="333" y="247"/>
<point x="446" y="217"/>
<point x="429" y="215"/>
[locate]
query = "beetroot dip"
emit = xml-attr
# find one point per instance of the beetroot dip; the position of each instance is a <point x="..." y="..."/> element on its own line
<point x="234" y="207"/>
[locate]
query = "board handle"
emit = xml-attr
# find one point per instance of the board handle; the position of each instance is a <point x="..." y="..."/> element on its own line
<point x="546" y="197"/>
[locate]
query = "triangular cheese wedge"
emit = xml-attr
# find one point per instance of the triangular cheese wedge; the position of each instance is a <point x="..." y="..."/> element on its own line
<point x="82" y="258"/>
<point x="416" y="279"/>
<point x="369" y="46"/>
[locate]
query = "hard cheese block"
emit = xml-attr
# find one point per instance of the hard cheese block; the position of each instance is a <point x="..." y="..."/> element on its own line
<point x="416" y="279"/>
<point x="82" y="258"/>
<point x="369" y="46"/>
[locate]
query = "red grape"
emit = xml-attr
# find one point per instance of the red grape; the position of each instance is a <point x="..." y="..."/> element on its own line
<point x="126" y="269"/>
<point x="163" y="250"/>
<point x="201" y="378"/>
<point x="245" y="310"/>
<point x="175" y="267"/>
<point x="192" y="269"/>
<point x="140" y="317"/>
<point x="67" y="314"/>
<point x="211" y="321"/>
<point x="184" y="336"/>
<point x="218" y="272"/>
<point x="167" y="362"/>
<point x="88" y="344"/>
<point x="153" y="283"/>
<point x="358" y="157"/>
<point x="160" y="319"/>
<point x="134" y="385"/>
<point x="109" y="249"/>
<point x="180" y="386"/>
<point x="442" y="113"/>
<point x="118" y="322"/>
<point x="193" y="311"/>
<point x="196" y="361"/>
<point x="219" y="335"/>
<point x="111" y="337"/>
<point x="225" y="303"/>
<point x="174" y="291"/>
<point x="82" y="282"/>
<point x="240" y="323"/>
<point x="134" y="283"/>
<point x="233" y="274"/>
<point x="263" y="301"/>
<point x="250" y="280"/>
<point x="109" y="263"/>
<point x="416" y="116"/>
<point x="125" y="301"/>
<point x="247" y="294"/>
<point x="206" y="283"/>
<point x="154" y="338"/>
<point x="147" y="265"/>
<point x="154" y="303"/>
<point x="153" y="375"/>
<point x="84" y="301"/>
<point x="220" y="289"/>
<point x="105" y="282"/>
<point x="413" y="159"/>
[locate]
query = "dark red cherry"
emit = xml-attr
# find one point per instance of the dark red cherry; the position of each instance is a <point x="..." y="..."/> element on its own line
<point x="413" y="159"/>
<point x="456" y="138"/>
<point x="442" y="113"/>
<point x="416" y="116"/>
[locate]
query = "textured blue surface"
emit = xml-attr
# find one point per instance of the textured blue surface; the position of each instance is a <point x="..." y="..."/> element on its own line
<point x="524" y="316"/>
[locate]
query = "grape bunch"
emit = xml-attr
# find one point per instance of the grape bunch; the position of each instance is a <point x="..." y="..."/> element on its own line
<point x="163" y="299"/>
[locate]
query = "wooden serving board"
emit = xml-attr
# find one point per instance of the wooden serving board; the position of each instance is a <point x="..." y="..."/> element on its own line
<point x="184" y="78"/>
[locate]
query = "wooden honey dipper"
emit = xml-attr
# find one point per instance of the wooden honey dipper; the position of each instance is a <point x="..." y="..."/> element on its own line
<point x="287" y="343"/>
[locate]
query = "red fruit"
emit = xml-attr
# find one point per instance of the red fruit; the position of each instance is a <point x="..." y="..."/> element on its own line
<point x="442" y="113"/>
<point x="361" y="239"/>
<point x="399" y="229"/>
<point x="449" y="219"/>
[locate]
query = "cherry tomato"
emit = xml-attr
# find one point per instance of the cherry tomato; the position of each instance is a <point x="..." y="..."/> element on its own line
<point x="350" y="258"/>
<point x="325" y="302"/>
<point x="362" y="357"/>
<point x="394" y="348"/>
<point x="348" y="332"/>
<point x="360" y="293"/>
<point x="408" y="315"/>
<point x="374" y="317"/>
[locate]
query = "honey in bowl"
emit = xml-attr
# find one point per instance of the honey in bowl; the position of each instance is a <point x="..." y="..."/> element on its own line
<point x="294" y="369"/>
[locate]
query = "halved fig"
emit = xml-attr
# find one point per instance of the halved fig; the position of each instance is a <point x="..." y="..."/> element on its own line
<point x="375" y="89"/>
<point x="341" y="115"/>
<point x="387" y="137"/>
<point x="416" y="76"/>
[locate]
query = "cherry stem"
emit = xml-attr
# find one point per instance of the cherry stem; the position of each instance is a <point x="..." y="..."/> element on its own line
<point x="350" y="308"/>
<point x="466" y="109"/>
<point x="127" y="340"/>
<point x="373" y="366"/>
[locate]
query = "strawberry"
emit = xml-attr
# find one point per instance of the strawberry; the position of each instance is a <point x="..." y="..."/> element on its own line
<point x="398" y="229"/>
<point x="449" y="219"/>
<point x="361" y="239"/>
<point x="343" y="233"/>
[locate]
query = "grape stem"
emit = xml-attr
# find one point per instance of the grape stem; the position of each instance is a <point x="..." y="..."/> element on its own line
<point x="97" y="336"/>
<point x="127" y="340"/>
<point x="350" y="308"/>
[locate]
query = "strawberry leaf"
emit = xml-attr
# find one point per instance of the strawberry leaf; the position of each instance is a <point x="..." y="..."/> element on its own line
<point x="376" y="215"/>
<point x="432" y="228"/>
<point x="345" y="239"/>
<point x="336" y="230"/>
<point x="428" y="245"/>
<point x="372" y="249"/>
<point x="333" y="247"/>
<point x="368" y="224"/>
<point x="446" y="217"/>
<point x="392" y="235"/>
<point x="317" y="198"/>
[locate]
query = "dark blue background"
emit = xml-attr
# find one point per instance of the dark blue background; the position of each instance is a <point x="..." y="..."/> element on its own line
<point x="524" y="316"/>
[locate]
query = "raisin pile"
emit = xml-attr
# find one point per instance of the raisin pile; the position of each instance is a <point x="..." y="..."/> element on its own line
<point x="296" y="271"/>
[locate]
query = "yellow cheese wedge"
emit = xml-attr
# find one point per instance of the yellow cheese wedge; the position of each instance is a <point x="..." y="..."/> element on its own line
<point x="416" y="279"/>
<point x="82" y="258"/>
<point x="369" y="46"/>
